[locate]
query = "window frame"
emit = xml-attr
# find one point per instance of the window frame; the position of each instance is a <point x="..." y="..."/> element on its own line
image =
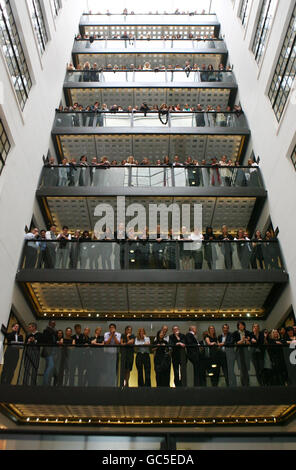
<point x="5" y="146"/>
<point x="262" y="32"/>
<point x="39" y="25"/>
<point x="14" y="55"/>
<point x="276" y="93"/>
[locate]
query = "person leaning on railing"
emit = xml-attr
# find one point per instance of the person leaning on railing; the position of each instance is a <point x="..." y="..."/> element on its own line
<point x="12" y="353"/>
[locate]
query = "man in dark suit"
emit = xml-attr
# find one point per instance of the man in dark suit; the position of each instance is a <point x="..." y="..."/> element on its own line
<point x="226" y="358"/>
<point x="194" y="354"/>
<point x="11" y="355"/>
<point x="178" y="342"/>
<point x="50" y="339"/>
<point x="76" y="357"/>
<point x="242" y="338"/>
<point x="32" y="354"/>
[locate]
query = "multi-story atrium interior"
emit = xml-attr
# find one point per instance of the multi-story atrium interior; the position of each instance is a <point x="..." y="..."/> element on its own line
<point x="146" y="190"/>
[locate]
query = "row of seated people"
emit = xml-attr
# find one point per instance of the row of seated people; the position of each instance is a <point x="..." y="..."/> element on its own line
<point x="224" y="172"/>
<point x="83" y="250"/>
<point x="130" y="36"/>
<point x="266" y="350"/>
<point x="207" y="73"/>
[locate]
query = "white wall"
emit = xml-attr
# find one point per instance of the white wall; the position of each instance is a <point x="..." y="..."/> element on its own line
<point x="30" y="131"/>
<point x="271" y="140"/>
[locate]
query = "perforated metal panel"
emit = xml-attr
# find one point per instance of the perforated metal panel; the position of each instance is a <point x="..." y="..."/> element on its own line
<point x="223" y="145"/>
<point x="156" y="32"/>
<point x="78" y="213"/>
<point x="154" y="146"/>
<point x="234" y="212"/>
<point x="73" y="146"/>
<point x="155" y="60"/>
<point x="85" y="299"/>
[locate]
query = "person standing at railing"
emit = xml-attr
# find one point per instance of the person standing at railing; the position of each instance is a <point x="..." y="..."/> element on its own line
<point x="194" y="354"/>
<point x="32" y="354"/>
<point x="31" y="248"/>
<point x="226" y="246"/>
<point x="242" y="339"/>
<point x="210" y="248"/>
<point x="162" y="359"/>
<point x="51" y="247"/>
<point x="127" y="355"/>
<point x="225" y="172"/>
<point x="51" y="173"/>
<point x="257" y="253"/>
<point x="96" y="378"/>
<point x="112" y="337"/>
<point x="178" y="342"/>
<point x="270" y="251"/>
<point x="49" y="339"/>
<point x="211" y="342"/>
<point x="257" y="351"/>
<point x="85" y="251"/>
<point x="63" y="248"/>
<point x="243" y="249"/>
<point x="227" y="356"/>
<point x="12" y="354"/>
<point x="196" y="248"/>
<point x="143" y="358"/>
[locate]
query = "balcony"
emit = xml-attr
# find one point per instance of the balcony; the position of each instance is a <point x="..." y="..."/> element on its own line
<point x="213" y="122"/>
<point x="158" y="57"/>
<point x="152" y="279"/>
<point x="154" y="25"/>
<point x="107" y="76"/>
<point x="100" y="175"/>
<point x="86" y="386"/>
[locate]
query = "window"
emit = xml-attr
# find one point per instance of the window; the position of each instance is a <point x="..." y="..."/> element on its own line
<point x="293" y="157"/>
<point x="244" y="11"/>
<point x="56" y="6"/>
<point x="284" y="74"/>
<point x="13" y="53"/>
<point x="263" y="27"/>
<point x="4" y="146"/>
<point x="39" y="24"/>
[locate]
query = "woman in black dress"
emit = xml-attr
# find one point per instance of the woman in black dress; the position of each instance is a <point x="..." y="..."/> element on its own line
<point x="162" y="360"/>
<point x="96" y="378"/>
<point x="211" y="341"/>
<point x="257" y="253"/>
<point x="127" y="355"/>
<point x="210" y="248"/>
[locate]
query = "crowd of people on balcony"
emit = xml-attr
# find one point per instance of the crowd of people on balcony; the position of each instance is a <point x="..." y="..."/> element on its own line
<point x="91" y="72"/>
<point x="125" y="12"/>
<point x="131" y="37"/>
<point x="81" y="358"/>
<point x="50" y="249"/>
<point x="222" y="172"/>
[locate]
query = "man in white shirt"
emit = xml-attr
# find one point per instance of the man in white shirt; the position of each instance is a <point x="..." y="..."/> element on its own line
<point x="111" y="337"/>
<point x="51" y="247"/>
<point x="31" y="248"/>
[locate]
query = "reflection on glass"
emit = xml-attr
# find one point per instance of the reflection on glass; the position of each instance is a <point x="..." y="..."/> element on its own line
<point x="230" y="365"/>
<point x="190" y="254"/>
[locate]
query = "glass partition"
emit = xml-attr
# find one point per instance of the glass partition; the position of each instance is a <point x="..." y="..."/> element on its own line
<point x="160" y="364"/>
<point x="187" y="254"/>
<point x="148" y="76"/>
<point x="106" y="175"/>
<point x="150" y="45"/>
<point x="213" y="119"/>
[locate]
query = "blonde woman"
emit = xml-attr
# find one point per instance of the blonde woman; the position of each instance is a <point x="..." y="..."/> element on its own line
<point x="143" y="358"/>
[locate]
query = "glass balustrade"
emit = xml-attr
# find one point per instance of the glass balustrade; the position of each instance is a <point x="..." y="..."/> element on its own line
<point x="104" y="175"/>
<point x="186" y="254"/>
<point x="149" y="76"/>
<point x="130" y="45"/>
<point x="89" y="119"/>
<point x="95" y="364"/>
